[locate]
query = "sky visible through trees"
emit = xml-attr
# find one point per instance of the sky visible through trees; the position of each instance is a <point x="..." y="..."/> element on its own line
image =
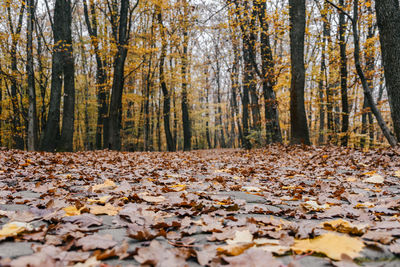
<point x="184" y="74"/>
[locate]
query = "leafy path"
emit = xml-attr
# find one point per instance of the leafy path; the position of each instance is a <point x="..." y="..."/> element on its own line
<point x="285" y="206"/>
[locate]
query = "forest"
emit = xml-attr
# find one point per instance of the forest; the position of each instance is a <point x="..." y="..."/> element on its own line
<point x="171" y="75"/>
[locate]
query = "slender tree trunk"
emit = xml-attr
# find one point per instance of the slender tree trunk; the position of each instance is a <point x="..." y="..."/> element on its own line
<point x="272" y="127"/>
<point x="298" y="119"/>
<point x="32" y="117"/>
<point x="167" y="98"/>
<point x="187" y="132"/>
<point x="115" y="110"/>
<point x="343" y="77"/>
<point x="388" y="16"/>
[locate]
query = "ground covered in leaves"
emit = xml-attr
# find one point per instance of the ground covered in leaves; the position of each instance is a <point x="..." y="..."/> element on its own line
<point x="279" y="206"/>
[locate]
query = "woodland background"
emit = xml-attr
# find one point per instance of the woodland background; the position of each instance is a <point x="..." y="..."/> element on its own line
<point x="193" y="74"/>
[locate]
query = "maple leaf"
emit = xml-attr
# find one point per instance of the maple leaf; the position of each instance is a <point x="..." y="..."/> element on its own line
<point x="157" y="255"/>
<point x="108" y="184"/>
<point x="344" y="226"/>
<point x="331" y="244"/>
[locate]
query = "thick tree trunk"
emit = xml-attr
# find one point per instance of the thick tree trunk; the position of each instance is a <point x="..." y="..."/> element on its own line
<point x="50" y="136"/>
<point x="32" y="117"/>
<point x="298" y="119"/>
<point x="67" y="132"/>
<point x="388" y="16"/>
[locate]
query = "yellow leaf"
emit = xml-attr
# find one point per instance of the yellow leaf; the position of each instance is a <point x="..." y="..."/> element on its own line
<point x="101" y="200"/>
<point x="331" y="244"/>
<point x="14" y="228"/>
<point x="370" y="173"/>
<point x="234" y="250"/>
<point x="312" y="205"/>
<point x="108" y="184"/>
<point x="178" y="187"/>
<point x="108" y="209"/>
<point x="72" y="211"/>
<point x="344" y="226"/>
<point x="251" y="189"/>
<point x="397" y="174"/>
<point x="351" y="179"/>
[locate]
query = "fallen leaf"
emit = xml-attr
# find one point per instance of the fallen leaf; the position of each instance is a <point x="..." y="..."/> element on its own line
<point x="253" y="257"/>
<point x="91" y="262"/>
<point x="251" y="189"/>
<point x="241" y="237"/>
<point x="344" y="226"/>
<point x="96" y="241"/>
<point x="152" y="199"/>
<point x="108" y="209"/>
<point x="375" y="179"/>
<point x="108" y="184"/>
<point x="101" y="200"/>
<point x="14" y="229"/>
<point x="331" y="244"/>
<point x="72" y="211"/>
<point x="312" y="205"/>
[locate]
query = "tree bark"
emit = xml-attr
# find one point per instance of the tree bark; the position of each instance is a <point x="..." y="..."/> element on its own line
<point x="32" y="116"/>
<point x="298" y="119"/>
<point x="388" y="16"/>
<point x="115" y="110"/>
<point x="343" y="77"/>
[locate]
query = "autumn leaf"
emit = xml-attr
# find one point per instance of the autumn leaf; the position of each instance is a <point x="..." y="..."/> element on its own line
<point x="312" y="205"/>
<point x="108" y="184"/>
<point x="101" y="200"/>
<point x="96" y="241"/>
<point x="344" y="226"/>
<point x="108" y="209"/>
<point x="152" y="199"/>
<point x="72" y="211"/>
<point x="375" y="179"/>
<point x="253" y="257"/>
<point x="331" y="244"/>
<point x="13" y="229"/>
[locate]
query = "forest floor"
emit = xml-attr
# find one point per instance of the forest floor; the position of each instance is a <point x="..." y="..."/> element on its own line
<point x="279" y="206"/>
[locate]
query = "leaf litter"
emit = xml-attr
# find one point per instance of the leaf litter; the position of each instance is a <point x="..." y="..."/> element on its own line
<point x="208" y="208"/>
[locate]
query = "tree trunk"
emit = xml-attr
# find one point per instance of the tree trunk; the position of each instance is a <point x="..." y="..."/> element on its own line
<point x="67" y="132"/>
<point x="343" y="77"/>
<point x="50" y="136"/>
<point x="167" y="99"/>
<point x="187" y="133"/>
<point x="388" y="16"/>
<point x="115" y="111"/>
<point x="298" y="119"/>
<point x="32" y="117"/>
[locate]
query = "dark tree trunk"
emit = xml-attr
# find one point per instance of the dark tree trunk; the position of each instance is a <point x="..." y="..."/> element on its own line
<point x="32" y="116"/>
<point x="367" y="91"/>
<point x="298" y="119"/>
<point x="50" y="136"/>
<point x="67" y="132"/>
<point x="187" y="132"/>
<point x="167" y="98"/>
<point x="115" y="110"/>
<point x="388" y="16"/>
<point x="343" y="77"/>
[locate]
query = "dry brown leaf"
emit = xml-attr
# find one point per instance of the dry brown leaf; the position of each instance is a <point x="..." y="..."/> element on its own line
<point x="344" y="226"/>
<point x="101" y="200"/>
<point x="152" y="199"/>
<point x="331" y="244"/>
<point x="312" y="205"/>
